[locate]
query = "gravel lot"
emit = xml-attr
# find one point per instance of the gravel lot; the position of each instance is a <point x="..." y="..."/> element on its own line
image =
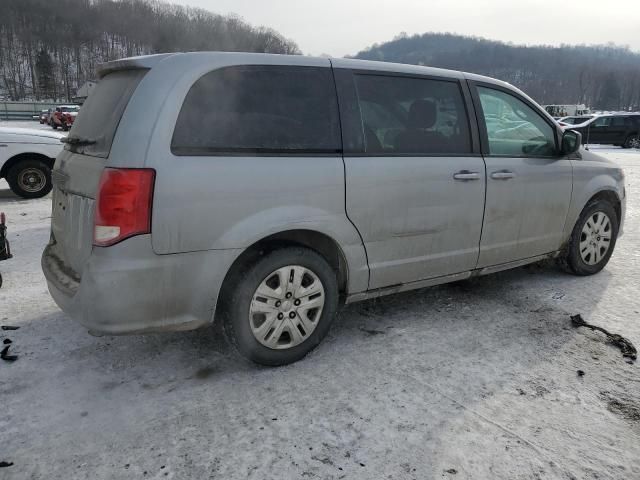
<point x="470" y="380"/>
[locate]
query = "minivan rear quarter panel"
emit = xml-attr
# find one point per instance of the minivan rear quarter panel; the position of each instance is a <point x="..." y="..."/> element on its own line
<point x="236" y="200"/>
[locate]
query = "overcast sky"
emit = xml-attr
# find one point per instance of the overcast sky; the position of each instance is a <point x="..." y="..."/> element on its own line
<point x="341" y="27"/>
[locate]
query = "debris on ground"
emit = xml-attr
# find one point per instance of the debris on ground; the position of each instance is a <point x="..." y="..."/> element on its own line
<point x="371" y="331"/>
<point x="581" y="373"/>
<point x="626" y="347"/>
<point x="9" y="327"/>
<point x="5" y="464"/>
<point x="4" y="355"/>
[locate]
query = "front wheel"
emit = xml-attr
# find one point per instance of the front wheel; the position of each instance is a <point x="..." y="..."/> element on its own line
<point x="30" y="178"/>
<point x="592" y="240"/>
<point x="632" y="142"/>
<point x="281" y="306"/>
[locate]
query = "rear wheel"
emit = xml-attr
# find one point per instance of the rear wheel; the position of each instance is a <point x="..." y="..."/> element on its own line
<point x="592" y="240"/>
<point x="281" y="306"/>
<point x="632" y="142"/>
<point x="30" y="178"/>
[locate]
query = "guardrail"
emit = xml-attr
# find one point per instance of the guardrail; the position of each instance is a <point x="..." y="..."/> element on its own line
<point x="22" y="110"/>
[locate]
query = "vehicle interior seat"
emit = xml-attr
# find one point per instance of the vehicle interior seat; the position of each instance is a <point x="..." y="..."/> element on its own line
<point x="417" y="138"/>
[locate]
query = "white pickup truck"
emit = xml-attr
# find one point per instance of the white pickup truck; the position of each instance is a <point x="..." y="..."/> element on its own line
<point x="26" y="159"/>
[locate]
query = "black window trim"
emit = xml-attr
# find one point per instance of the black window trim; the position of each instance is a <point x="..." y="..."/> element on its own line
<point x="464" y="93"/>
<point x="253" y="152"/>
<point x="262" y="152"/>
<point x="484" y="138"/>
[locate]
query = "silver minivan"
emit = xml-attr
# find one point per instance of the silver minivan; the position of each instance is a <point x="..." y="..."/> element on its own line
<point x="263" y="191"/>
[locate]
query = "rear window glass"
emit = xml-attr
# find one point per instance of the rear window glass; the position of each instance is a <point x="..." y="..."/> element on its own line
<point x="100" y="115"/>
<point x="259" y="109"/>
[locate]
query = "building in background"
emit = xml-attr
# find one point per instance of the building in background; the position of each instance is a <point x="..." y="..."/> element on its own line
<point x="84" y="91"/>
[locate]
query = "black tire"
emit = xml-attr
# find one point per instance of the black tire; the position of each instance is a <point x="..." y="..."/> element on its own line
<point x="17" y="185"/>
<point x="54" y="125"/>
<point x="571" y="260"/>
<point x="242" y="287"/>
<point x="631" y="141"/>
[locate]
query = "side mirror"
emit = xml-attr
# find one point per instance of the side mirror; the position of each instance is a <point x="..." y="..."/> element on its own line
<point x="571" y="141"/>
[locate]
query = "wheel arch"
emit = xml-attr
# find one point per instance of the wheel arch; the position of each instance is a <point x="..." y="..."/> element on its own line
<point x="317" y="241"/>
<point x="610" y="196"/>
<point x="24" y="156"/>
<point x="314" y="240"/>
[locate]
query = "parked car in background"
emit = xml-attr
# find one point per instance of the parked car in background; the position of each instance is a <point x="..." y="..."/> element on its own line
<point x="616" y="129"/>
<point x="26" y="159"/>
<point x="559" y="111"/>
<point x="44" y="116"/>
<point x="315" y="181"/>
<point x="64" y="116"/>
<point x="574" y="120"/>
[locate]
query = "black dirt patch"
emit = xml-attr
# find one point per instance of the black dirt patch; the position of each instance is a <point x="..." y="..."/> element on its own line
<point x="622" y="405"/>
<point x="324" y="460"/>
<point x="371" y="333"/>
<point x="204" y="373"/>
<point x="626" y="347"/>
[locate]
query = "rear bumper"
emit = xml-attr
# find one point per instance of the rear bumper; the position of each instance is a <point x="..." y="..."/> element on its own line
<point x="127" y="288"/>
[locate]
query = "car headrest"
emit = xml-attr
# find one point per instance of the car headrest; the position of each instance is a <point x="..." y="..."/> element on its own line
<point x="422" y="114"/>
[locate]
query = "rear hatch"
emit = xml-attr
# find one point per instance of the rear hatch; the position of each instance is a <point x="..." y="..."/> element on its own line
<point x="77" y="172"/>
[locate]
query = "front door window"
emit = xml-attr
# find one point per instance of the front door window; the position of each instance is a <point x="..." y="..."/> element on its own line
<point x="513" y="128"/>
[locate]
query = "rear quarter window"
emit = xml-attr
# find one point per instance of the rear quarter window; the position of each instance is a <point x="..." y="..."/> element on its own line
<point x="259" y="109"/>
<point x="100" y="115"/>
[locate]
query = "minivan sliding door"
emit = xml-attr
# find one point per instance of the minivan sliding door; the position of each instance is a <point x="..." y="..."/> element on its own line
<point x="414" y="188"/>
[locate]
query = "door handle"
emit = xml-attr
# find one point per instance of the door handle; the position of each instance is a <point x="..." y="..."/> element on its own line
<point x="466" y="175"/>
<point x="503" y="175"/>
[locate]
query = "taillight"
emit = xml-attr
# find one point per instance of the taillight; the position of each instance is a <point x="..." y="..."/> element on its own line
<point x="123" y="204"/>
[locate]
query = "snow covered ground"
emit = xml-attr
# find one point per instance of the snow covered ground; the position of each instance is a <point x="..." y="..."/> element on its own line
<point x="475" y="380"/>
<point x="24" y="124"/>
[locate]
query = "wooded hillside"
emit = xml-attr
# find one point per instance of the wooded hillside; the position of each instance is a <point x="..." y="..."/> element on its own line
<point x="50" y="48"/>
<point x="603" y="77"/>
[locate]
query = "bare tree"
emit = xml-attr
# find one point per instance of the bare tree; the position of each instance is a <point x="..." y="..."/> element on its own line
<point x="49" y="49"/>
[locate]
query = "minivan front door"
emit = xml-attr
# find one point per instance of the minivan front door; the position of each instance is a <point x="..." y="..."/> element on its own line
<point x="414" y="189"/>
<point x="528" y="184"/>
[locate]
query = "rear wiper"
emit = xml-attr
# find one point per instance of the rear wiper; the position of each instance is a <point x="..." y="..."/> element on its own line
<point x="77" y="141"/>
